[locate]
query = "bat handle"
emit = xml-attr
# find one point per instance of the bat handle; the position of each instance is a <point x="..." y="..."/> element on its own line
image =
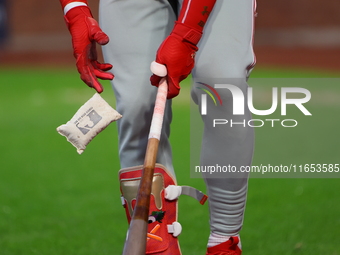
<point x="158" y="114"/>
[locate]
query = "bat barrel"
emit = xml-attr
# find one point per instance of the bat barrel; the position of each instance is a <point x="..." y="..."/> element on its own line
<point x="136" y="241"/>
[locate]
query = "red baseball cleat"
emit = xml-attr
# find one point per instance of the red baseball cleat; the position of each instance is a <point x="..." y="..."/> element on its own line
<point x="227" y="248"/>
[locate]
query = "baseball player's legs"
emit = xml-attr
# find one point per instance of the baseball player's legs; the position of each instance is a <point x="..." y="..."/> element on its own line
<point x="225" y="56"/>
<point x="136" y="29"/>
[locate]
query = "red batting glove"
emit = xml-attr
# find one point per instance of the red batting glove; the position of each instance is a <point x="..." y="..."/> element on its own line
<point x="177" y="53"/>
<point x="86" y="33"/>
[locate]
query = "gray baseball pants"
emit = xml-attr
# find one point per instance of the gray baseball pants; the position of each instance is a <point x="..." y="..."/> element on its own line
<point x="136" y="29"/>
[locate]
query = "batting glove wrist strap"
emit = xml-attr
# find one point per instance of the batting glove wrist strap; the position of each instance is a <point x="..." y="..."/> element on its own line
<point x="187" y="33"/>
<point x="74" y="15"/>
<point x="69" y="4"/>
<point x="72" y="5"/>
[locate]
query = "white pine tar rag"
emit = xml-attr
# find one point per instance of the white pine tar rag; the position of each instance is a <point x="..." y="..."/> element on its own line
<point x="93" y="117"/>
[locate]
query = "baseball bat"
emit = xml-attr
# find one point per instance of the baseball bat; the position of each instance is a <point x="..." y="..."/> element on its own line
<point x="135" y="243"/>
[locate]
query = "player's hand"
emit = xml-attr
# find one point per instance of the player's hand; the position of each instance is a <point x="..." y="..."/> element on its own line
<point x="86" y="33"/>
<point x="178" y="55"/>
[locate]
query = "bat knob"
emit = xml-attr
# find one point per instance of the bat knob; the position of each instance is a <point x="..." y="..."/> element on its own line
<point x="158" y="69"/>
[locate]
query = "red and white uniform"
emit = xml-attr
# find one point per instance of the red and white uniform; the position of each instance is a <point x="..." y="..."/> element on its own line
<point x="138" y="31"/>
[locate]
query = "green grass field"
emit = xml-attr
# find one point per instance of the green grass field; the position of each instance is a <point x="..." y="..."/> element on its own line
<point x="56" y="202"/>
